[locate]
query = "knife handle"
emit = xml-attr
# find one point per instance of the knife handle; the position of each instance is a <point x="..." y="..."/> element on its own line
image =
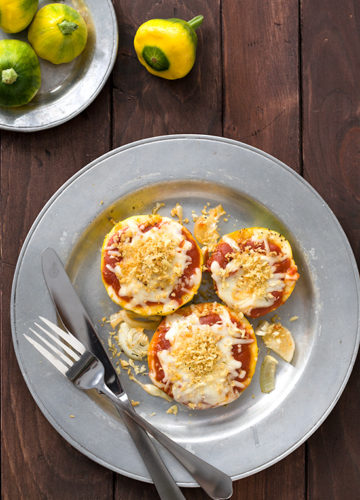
<point x="163" y="480"/>
<point x="213" y="481"/>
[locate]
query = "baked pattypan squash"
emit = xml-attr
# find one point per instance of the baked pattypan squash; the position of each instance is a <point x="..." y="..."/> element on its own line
<point x="20" y="76"/>
<point x="58" y="33"/>
<point x="167" y="47"/>
<point x="16" y="15"/>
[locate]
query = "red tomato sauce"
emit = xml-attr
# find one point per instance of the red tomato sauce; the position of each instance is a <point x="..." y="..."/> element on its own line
<point x="244" y="356"/>
<point x="221" y="255"/>
<point x="260" y="311"/>
<point x="161" y="344"/>
<point x="181" y="288"/>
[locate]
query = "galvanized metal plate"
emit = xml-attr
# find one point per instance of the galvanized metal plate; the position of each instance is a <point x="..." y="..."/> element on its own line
<point x="258" y="429"/>
<point x="67" y="89"/>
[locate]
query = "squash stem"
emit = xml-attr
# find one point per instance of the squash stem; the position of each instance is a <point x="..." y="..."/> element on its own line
<point x="67" y="27"/>
<point x="195" y="22"/>
<point x="9" y="76"/>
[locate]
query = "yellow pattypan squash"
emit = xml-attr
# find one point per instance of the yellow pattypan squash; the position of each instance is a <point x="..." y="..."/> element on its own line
<point x="167" y="47"/>
<point x="16" y="15"/>
<point x="58" y="33"/>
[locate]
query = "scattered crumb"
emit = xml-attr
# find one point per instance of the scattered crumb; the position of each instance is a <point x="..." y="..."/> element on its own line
<point x="173" y="410"/>
<point x="177" y="211"/>
<point x="118" y="370"/>
<point x="135" y="403"/>
<point x="186" y="220"/>
<point x="253" y="396"/>
<point x="157" y="207"/>
<point x="124" y="363"/>
<point x="137" y="369"/>
<point x="294" y="318"/>
<point x="205" y="229"/>
<point x="72" y="416"/>
<point x="101" y="202"/>
<point x="226" y="219"/>
<point x="275" y="318"/>
<point x="194" y="216"/>
<point x="152" y="414"/>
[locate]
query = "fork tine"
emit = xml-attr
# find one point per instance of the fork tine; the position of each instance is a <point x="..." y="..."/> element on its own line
<point x="63" y="346"/>
<point x="54" y="361"/>
<point x="67" y="336"/>
<point x="58" y="353"/>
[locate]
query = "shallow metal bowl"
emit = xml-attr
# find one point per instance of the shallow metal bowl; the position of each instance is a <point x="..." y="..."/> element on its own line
<point x="67" y="89"/>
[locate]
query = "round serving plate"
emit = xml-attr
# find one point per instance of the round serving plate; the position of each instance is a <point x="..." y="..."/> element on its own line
<point x="67" y="89"/>
<point x="255" y="189"/>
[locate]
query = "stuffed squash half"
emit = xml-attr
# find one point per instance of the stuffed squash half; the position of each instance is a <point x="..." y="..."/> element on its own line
<point x="150" y="265"/>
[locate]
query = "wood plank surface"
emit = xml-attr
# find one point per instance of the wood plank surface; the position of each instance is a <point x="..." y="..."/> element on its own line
<point x="261" y="80"/>
<point x="36" y="462"/>
<point x="261" y="108"/>
<point x="281" y="75"/>
<point x="331" y="149"/>
<point x="145" y="105"/>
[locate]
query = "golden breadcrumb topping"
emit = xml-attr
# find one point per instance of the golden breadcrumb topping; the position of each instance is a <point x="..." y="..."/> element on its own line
<point x="255" y="272"/>
<point x="150" y="260"/>
<point x="198" y="353"/>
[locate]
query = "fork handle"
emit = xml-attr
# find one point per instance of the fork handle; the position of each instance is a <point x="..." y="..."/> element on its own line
<point x="213" y="481"/>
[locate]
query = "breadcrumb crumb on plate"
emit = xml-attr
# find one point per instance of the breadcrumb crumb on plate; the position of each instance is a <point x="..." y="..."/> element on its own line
<point x="206" y="226"/>
<point x="173" y="410"/>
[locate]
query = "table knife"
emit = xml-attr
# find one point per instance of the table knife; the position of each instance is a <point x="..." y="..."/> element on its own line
<point x="76" y="319"/>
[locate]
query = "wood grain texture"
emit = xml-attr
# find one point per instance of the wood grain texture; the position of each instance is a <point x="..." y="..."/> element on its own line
<point x="35" y="165"/>
<point x="261" y="108"/>
<point x="261" y="85"/>
<point x="331" y="130"/>
<point x="36" y="462"/>
<point x="250" y="84"/>
<point x="331" y="148"/>
<point x="145" y="105"/>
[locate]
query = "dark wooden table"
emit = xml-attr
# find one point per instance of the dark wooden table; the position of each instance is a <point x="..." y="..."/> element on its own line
<point x="281" y="75"/>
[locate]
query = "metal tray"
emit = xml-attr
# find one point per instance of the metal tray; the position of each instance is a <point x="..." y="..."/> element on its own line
<point x="258" y="429"/>
<point x="67" y="89"/>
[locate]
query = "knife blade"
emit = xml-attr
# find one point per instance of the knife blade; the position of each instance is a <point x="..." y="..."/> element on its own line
<point x="76" y="319"/>
<point x="73" y="314"/>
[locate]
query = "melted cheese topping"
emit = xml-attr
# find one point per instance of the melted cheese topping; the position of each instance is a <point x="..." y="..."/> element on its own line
<point x="199" y="364"/>
<point x="250" y="276"/>
<point x="152" y="263"/>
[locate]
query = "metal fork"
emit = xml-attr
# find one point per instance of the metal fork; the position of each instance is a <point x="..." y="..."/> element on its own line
<point x="85" y="370"/>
